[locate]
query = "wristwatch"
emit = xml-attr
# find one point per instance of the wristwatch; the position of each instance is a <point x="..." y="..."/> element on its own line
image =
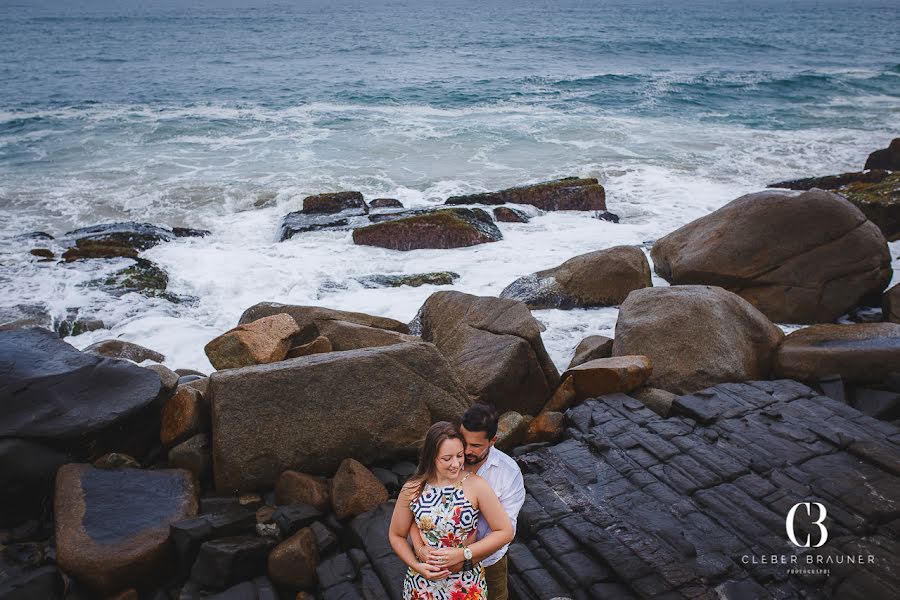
<point x="467" y="564"/>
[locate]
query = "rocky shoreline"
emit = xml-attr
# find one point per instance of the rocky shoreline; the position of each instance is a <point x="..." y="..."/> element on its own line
<point x="660" y="464"/>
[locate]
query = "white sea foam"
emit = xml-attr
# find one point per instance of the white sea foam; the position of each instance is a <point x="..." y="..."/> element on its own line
<point x="253" y="165"/>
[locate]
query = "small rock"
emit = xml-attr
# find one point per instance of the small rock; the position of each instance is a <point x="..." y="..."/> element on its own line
<point x="327" y="204"/>
<point x="445" y="228"/>
<point x="115" y="460"/>
<point x="292" y="518"/>
<point x="140" y="236"/>
<point x="505" y="214"/>
<point x="355" y="490"/>
<point x="194" y="455"/>
<point x="183" y="416"/>
<point x="385" y="203"/>
<point x="420" y="279"/>
<point x="657" y="400"/>
<point x="591" y="348"/>
<point x="43" y="253"/>
<point x="511" y="430"/>
<point x="201" y="384"/>
<point x="887" y="158"/>
<point x="320" y="345"/>
<point x="264" y="514"/>
<point x="86" y="249"/>
<point x="293" y="487"/>
<point x="265" y="340"/>
<point x="546" y="427"/>
<point x="609" y="376"/>
<point x="294" y="561"/>
<point x="608" y="216"/>
<point x="124" y="350"/>
<point x="168" y="377"/>
<point x="187" y="232"/>
<point x="224" y="562"/>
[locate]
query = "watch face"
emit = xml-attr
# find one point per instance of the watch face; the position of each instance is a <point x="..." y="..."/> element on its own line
<point x="468" y="554"/>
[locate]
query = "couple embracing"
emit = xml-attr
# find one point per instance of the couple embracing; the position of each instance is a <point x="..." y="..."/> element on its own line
<point x="459" y="509"/>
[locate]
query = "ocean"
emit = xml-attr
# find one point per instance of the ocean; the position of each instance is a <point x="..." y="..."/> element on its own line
<point x="223" y="115"/>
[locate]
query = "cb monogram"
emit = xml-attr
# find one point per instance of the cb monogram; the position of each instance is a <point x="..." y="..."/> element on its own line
<point x="789" y="524"/>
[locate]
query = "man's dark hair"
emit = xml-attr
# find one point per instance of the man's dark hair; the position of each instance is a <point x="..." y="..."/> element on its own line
<point x="481" y="417"/>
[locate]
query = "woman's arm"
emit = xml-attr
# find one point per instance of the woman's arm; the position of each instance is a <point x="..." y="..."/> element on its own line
<point x="401" y="521"/>
<point x="501" y="527"/>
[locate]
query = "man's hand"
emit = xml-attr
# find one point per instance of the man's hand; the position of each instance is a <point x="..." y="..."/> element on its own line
<point x="431" y="572"/>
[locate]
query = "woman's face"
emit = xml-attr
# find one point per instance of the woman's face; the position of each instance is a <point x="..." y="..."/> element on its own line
<point x="450" y="458"/>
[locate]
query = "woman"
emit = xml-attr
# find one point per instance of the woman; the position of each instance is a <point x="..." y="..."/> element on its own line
<point x="446" y="502"/>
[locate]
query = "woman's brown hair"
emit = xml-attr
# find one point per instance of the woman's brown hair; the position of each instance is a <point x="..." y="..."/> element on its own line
<point x="437" y="435"/>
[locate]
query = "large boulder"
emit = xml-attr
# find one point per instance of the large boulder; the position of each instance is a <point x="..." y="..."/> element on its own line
<point x="859" y="353"/>
<point x="696" y="336"/>
<point x="600" y="278"/>
<point x="495" y="346"/>
<point x="112" y="526"/>
<point x="571" y="193"/>
<point x="307" y="414"/>
<point x="446" y="228"/>
<point x="309" y="318"/>
<point x="886" y="158"/>
<point x="75" y="402"/>
<point x="265" y="340"/>
<point x="876" y="193"/>
<point x="798" y="258"/>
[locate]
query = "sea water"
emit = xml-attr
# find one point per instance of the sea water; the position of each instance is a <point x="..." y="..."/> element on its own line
<point x="223" y="115"/>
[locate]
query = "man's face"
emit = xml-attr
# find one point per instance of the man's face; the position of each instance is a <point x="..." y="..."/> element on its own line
<point x="477" y="445"/>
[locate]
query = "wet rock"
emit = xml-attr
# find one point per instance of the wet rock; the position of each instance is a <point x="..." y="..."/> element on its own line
<point x="880" y="202"/>
<point x="188" y="535"/>
<point x="305" y="414"/>
<point x="376" y="562"/>
<point x="112" y="526"/>
<point x="608" y="376"/>
<point x="571" y="193"/>
<point x="320" y="345"/>
<point x="265" y="340"/>
<point x="44" y="583"/>
<point x="385" y="203"/>
<point x="445" y="228"/>
<point x="349" y="336"/>
<point x="224" y="562"/>
<point x="42" y="253"/>
<point x="294" y="561"/>
<point x="34" y="236"/>
<point x="27" y="472"/>
<point x="293" y="487"/>
<point x="859" y="353"/>
<point x="71" y="324"/>
<point x="505" y="214"/>
<point x="88" y="249"/>
<point x="608" y="216"/>
<point x="337" y="202"/>
<point x="563" y="397"/>
<point x="74" y="401"/>
<point x="754" y="247"/>
<point x="188" y="232"/>
<point x="326" y="540"/>
<point x="417" y="280"/>
<point x="355" y="490"/>
<point x="194" y="455"/>
<point x="300" y="222"/>
<point x="143" y="277"/>
<point x="831" y="182"/>
<point x="511" y="430"/>
<point x="890" y="306"/>
<point x="729" y="339"/>
<point x="591" y="348"/>
<point x="880" y="404"/>
<point x="495" y="347"/>
<point x="886" y="158"/>
<point x="546" y="427"/>
<point x="601" y="278"/>
<point x="184" y="415"/>
<point x="25" y="316"/>
<point x="308" y="318"/>
<point x="140" y="236"/>
<point x="124" y="350"/>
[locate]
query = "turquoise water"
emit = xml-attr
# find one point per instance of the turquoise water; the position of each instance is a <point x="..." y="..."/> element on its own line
<point x="224" y="115"/>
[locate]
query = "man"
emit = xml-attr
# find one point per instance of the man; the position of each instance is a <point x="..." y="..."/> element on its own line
<point x="479" y="428"/>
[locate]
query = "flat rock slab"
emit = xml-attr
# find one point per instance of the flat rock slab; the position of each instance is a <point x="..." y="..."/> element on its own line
<point x="571" y="193"/>
<point x="859" y="353"/>
<point x="89" y="405"/>
<point x="609" y="376"/>
<point x="112" y="526"/>
<point x="441" y="229"/>
<point x="634" y="505"/>
<point x="309" y="413"/>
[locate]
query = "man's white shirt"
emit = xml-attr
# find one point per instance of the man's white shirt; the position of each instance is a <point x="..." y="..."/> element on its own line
<point x="505" y="478"/>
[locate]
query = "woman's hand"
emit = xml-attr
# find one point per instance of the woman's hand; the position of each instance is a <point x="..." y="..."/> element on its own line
<point x="444" y="557"/>
<point x="431" y="572"/>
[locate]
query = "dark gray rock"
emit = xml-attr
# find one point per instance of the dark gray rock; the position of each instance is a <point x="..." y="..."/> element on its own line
<point x="570" y="193"/>
<point x="886" y="158"/>
<point x="385" y="203"/>
<point x="188" y="535"/>
<point x="45" y="583"/>
<point x="76" y="402"/>
<point x="125" y="350"/>
<point x="25" y="316"/>
<point x="294" y="517"/>
<point x="27" y="472"/>
<point x="417" y="280"/>
<point x="139" y="236"/>
<point x="224" y="562"/>
<point x="505" y="214"/>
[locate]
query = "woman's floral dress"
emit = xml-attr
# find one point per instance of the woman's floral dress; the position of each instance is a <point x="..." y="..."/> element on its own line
<point x="446" y="518"/>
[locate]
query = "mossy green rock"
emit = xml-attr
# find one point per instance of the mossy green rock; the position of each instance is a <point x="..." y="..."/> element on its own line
<point x="446" y="228"/>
